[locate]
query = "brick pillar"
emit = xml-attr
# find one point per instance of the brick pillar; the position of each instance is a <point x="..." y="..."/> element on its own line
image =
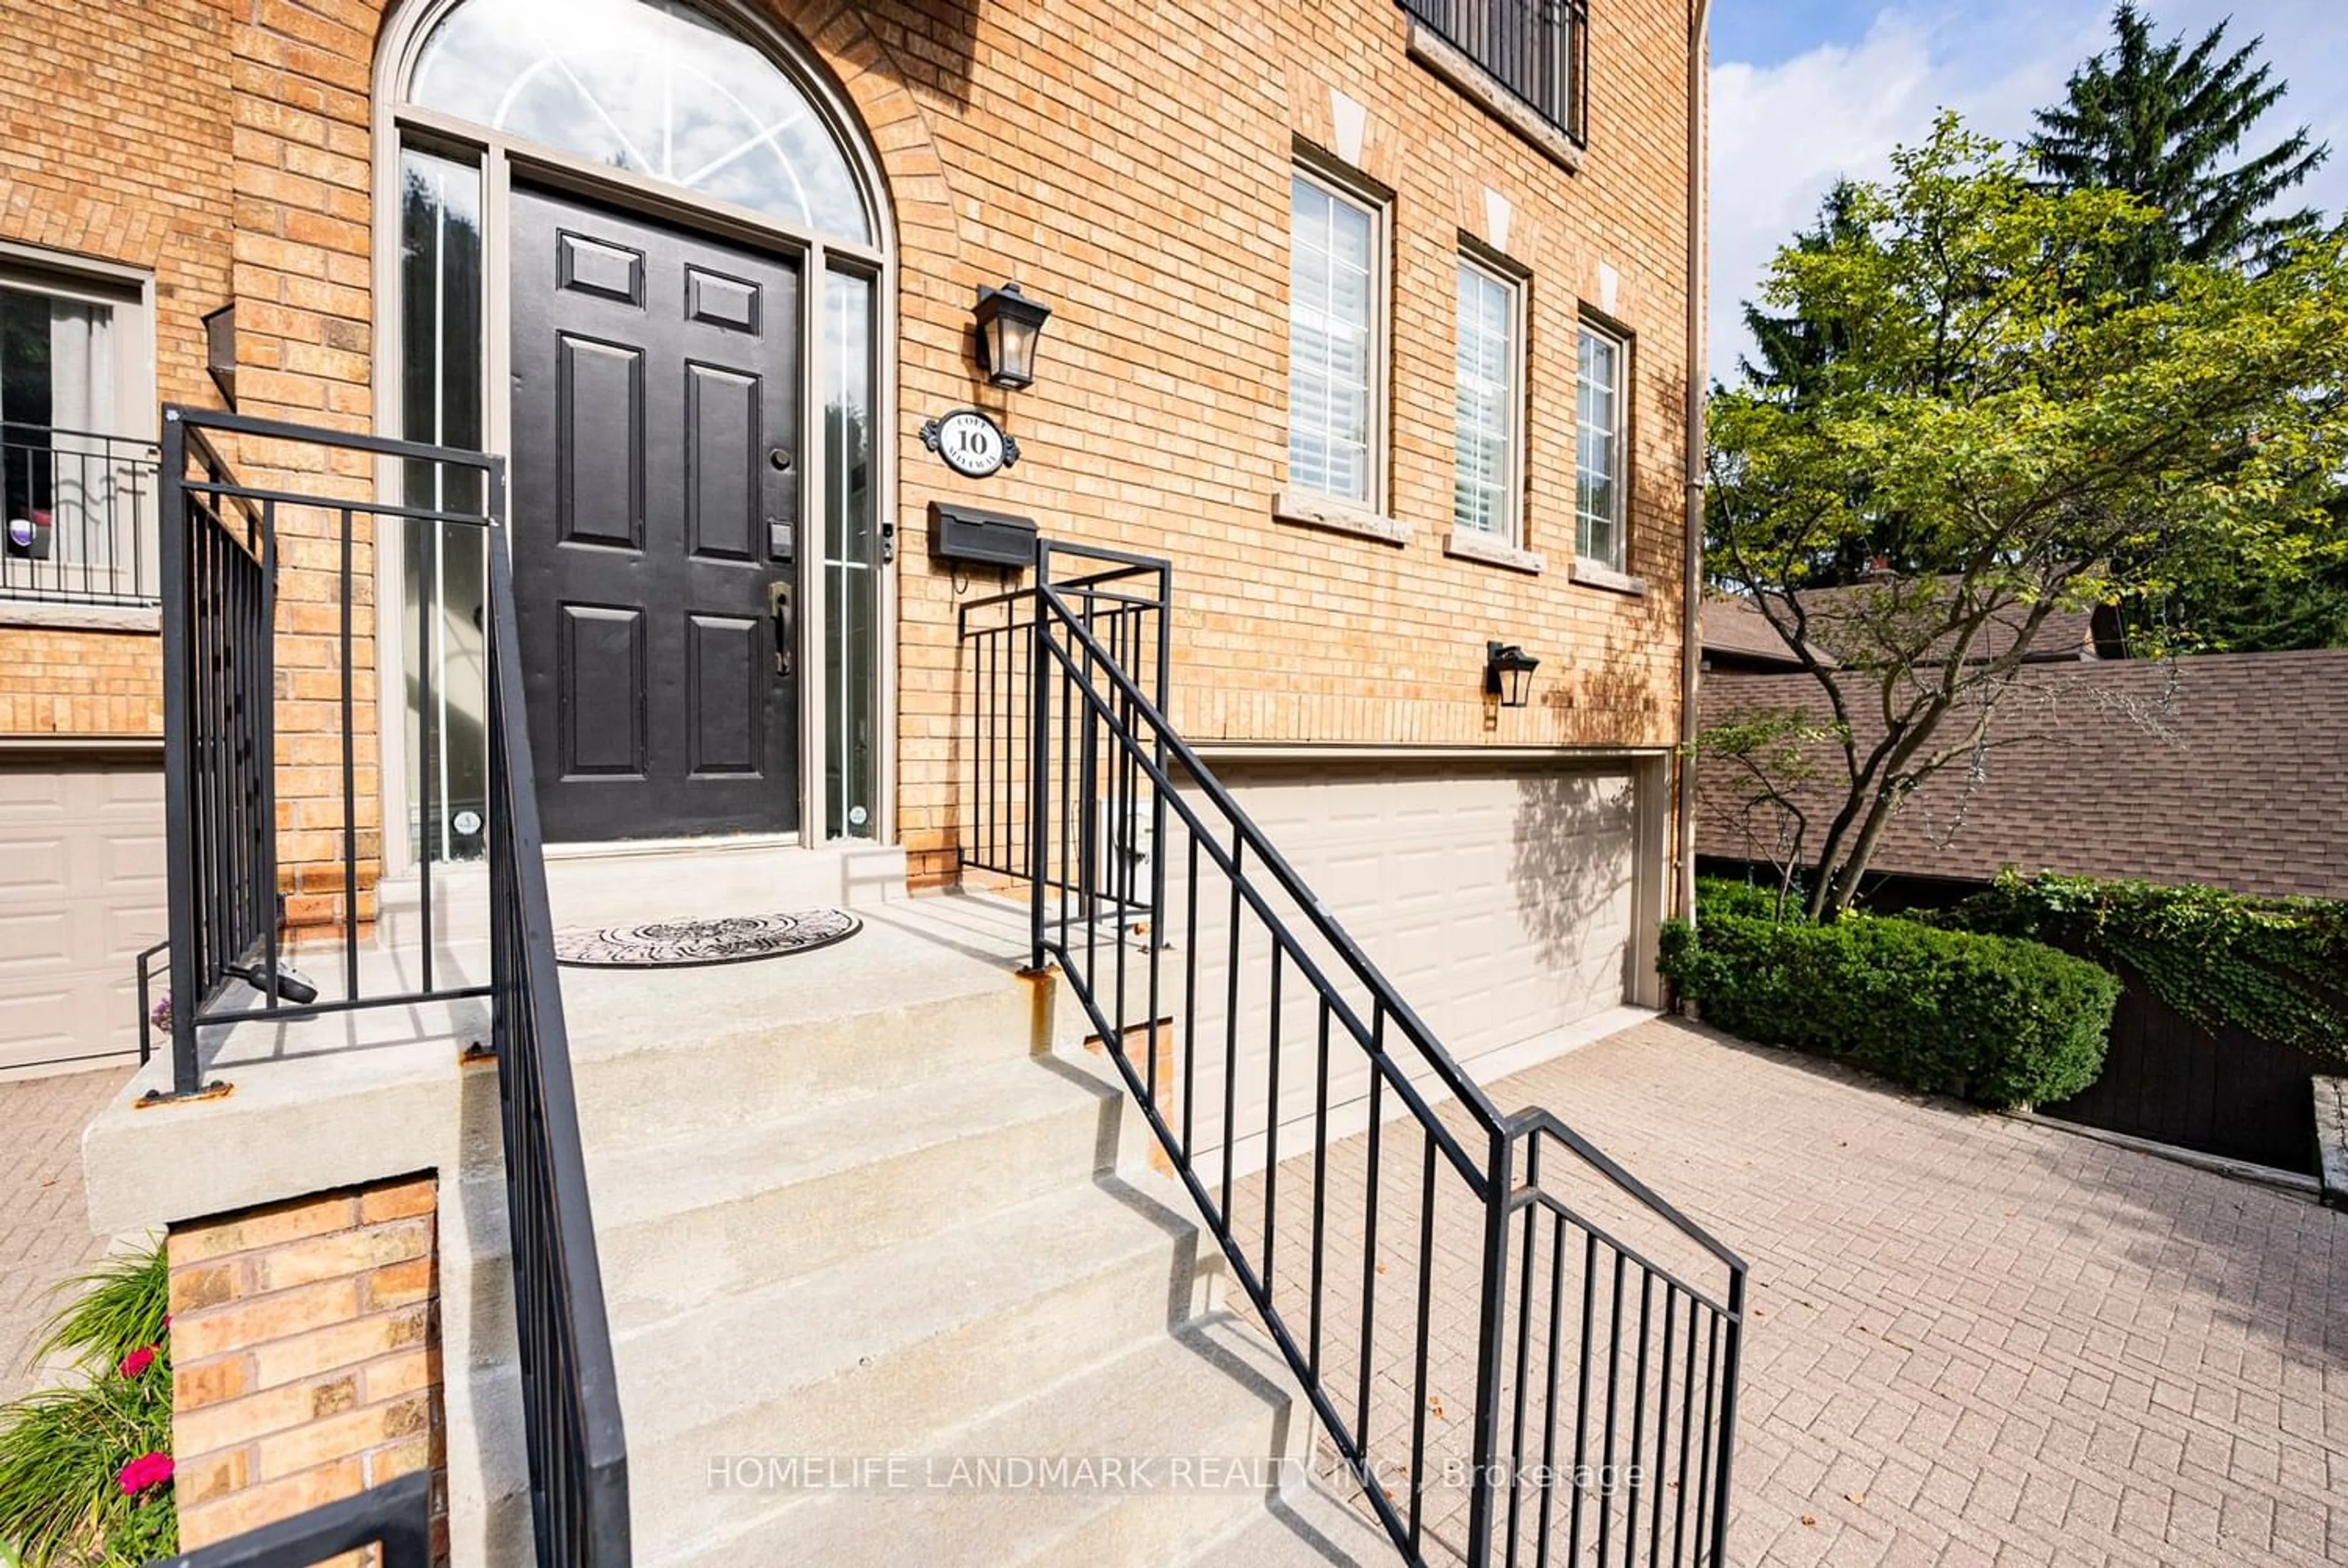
<point x="305" y="1356"/>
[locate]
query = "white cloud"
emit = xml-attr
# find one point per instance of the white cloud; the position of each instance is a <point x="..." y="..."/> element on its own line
<point x="1782" y="133"/>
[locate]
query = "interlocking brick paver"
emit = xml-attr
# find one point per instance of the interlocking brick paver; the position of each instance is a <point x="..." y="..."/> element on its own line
<point x="1974" y="1339"/>
<point x="44" y="1229"/>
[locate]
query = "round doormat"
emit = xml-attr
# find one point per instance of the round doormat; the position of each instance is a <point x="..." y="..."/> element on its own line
<point x="688" y="943"/>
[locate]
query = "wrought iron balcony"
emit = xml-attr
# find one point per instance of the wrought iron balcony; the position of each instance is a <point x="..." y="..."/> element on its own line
<point x="79" y="514"/>
<point x="1536" y="50"/>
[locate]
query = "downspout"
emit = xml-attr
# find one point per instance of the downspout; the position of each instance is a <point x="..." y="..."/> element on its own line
<point x="1698" y="376"/>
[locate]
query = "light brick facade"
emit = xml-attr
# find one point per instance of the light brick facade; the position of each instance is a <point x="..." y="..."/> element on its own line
<point x="113" y="144"/>
<point x="1130" y="165"/>
<point x="306" y="1360"/>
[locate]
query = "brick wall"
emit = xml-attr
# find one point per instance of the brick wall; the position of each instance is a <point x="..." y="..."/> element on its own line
<point x="114" y="142"/>
<point x="59" y="683"/>
<point x="1130" y="165"/>
<point x="304" y="1355"/>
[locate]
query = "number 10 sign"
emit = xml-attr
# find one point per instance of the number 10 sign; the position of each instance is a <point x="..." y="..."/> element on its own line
<point x="973" y="445"/>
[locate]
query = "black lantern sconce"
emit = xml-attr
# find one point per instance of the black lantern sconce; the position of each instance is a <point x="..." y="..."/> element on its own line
<point x="1009" y="323"/>
<point x="1508" y="673"/>
<point x="219" y="351"/>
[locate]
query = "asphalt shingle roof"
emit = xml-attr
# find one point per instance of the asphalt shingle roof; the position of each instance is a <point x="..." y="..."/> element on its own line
<point x="2228" y="769"/>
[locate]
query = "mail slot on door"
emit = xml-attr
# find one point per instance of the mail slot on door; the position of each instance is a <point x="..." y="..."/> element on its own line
<point x="972" y="534"/>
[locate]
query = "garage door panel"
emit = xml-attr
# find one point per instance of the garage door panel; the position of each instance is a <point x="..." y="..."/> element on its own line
<point x="82" y="893"/>
<point x="1498" y="904"/>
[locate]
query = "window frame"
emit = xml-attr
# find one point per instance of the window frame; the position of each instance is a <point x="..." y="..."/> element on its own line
<point x="1591" y="325"/>
<point x="128" y="293"/>
<point x="1348" y="186"/>
<point x="1516" y="286"/>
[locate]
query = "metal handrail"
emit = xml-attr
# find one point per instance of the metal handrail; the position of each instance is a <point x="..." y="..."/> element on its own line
<point x="1091" y="754"/>
<point x="395" y="1518"/>
<point x="220" y="557"/>
<point x="578" y="1447"/>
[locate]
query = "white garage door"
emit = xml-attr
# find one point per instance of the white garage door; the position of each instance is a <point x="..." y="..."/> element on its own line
<point x="81" y="893"/>
<point x="1499" y="903"/>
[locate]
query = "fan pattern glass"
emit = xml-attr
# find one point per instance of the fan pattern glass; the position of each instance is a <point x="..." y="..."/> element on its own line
<point x="652" y="87"/>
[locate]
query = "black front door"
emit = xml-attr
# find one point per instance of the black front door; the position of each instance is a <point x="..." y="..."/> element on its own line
<point x="655" y="486"/>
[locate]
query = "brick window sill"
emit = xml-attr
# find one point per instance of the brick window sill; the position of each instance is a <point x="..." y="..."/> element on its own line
<point x="1304" y="509"/>
<point x="1590" y="574"/>
<point x="80" y="617"/>
<point x="1470" y="544"/>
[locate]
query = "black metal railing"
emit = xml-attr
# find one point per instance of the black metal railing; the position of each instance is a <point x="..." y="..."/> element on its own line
<point x="571" y="1397"/>
<point x="1538" y="50"/>
<point x="224" y="544"/>
<point x="80" y="510"/>
<point x="221" y="542"/>
<point x="1453" y="1306"/>
<point x="395" y="1518"/>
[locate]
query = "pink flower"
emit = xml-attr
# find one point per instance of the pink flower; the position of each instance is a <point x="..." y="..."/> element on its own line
<point x="138" y="1361"/>
<point x="148" y="1470"/>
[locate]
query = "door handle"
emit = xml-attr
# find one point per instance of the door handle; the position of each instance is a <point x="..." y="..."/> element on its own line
<point x="778" y="605"/>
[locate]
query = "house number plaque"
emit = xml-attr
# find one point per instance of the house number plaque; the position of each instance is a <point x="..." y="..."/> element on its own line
<point x="973" y="445"/>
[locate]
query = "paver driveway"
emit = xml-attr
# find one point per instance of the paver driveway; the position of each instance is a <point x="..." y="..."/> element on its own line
<point x="1974" y="1339"/>
<point x="43" y="1228"/>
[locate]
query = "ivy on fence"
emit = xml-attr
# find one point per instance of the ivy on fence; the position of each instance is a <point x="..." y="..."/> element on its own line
<point x="2273" y="967"/>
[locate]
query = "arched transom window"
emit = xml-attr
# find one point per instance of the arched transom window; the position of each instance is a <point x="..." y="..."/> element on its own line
<point x="656" y="88"/>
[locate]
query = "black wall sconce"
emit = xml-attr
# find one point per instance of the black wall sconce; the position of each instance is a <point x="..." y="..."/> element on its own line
<point x="219" y="351"/>
<point x="1008" y="325"/>
<point x="1508" y="673"/>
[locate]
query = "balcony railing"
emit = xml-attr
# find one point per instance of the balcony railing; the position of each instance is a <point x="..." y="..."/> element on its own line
<point x="1537" y="50"/>
<point x="80" y="515"/>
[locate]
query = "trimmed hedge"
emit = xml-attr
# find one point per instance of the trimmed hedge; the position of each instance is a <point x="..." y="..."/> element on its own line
<point x="1719" y="896"/>
<point x="1994" y="1019"/>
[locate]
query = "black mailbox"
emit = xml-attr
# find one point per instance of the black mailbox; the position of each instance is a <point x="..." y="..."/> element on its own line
<point x="972" y="534"/>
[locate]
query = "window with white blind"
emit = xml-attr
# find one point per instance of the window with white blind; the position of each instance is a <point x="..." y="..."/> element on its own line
<point x="1487" y="466"/>
<point x="1335" y="390"/>
<point x="1598" y="458"/>
<point x="76" y="481"/>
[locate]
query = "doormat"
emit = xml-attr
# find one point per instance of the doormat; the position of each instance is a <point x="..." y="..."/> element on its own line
<point x="690" y="944"/>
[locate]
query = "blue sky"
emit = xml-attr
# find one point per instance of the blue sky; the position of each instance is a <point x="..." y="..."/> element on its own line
<point x="1805" y="90"/>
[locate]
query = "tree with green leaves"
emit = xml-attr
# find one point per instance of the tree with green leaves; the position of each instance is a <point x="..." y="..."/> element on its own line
<point x="2034" y="444"/>
<point x="2163" y="121"/>
<point x="1788" y="350"/>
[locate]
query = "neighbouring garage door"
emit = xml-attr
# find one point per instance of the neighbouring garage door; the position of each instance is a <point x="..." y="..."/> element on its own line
<point x="81" y="893"/>
<point x="1499" y="901"/>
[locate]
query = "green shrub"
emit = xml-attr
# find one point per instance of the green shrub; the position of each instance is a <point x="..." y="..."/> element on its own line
<point x="2273" y="967"/>
<point x="84" y="1479"/>
<point x="1996" y="1020"/>
<point x="1719" y="896"/>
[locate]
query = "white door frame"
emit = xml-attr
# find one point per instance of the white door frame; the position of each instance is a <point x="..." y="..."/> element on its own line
<point x="502" y="158"/>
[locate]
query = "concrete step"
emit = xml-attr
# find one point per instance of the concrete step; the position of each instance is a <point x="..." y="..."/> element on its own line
<point x="688" y="1220"/>
<point x="871" y="1356"/>
<point x="1307" y="1526"/>
<point x="684" y="1052"/>
<point x="1157" y="1448"/>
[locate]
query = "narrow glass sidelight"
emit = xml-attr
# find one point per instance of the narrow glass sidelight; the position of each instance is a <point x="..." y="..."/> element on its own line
<point x="852" y="562"/>
<point x="440" y="391"/>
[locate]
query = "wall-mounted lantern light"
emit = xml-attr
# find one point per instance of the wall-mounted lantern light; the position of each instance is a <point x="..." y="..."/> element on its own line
<point x="1508" y="673"/>
<point x="219" y="351"/>
<point x="1008" y="325"/>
